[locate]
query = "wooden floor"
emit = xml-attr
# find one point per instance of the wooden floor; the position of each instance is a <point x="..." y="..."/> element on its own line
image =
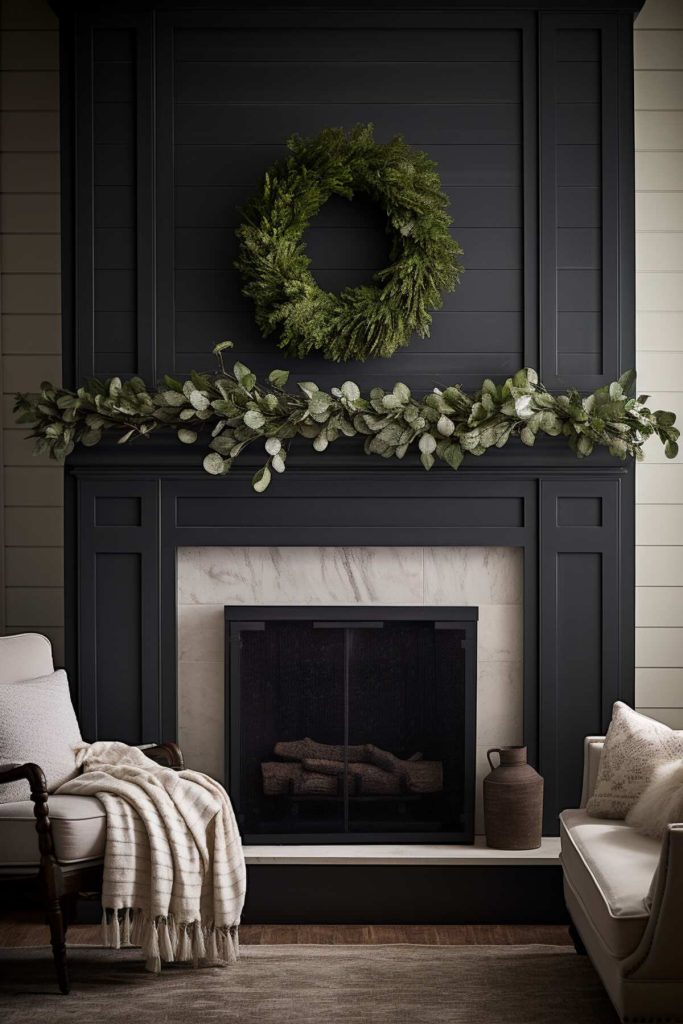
<point x="26" y="930"/>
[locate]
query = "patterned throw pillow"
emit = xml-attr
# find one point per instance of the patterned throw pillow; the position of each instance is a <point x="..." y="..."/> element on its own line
<point x="634" y="748"/>
<point x="38" y="723"/>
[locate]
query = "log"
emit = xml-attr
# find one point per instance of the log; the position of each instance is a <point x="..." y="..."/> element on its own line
<point x="365" y="779"/>
<point x="315" y="784"/>
<point x="297" y="750"/>
<point x="374" y="781"/>
<point x="419" y="776"/>
<point x="372" y="770"/>
<point x="280" y="778"/>
<point x="423" y="776"/>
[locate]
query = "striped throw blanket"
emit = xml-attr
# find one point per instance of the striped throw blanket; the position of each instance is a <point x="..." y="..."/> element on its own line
<point x="174" y="875"/>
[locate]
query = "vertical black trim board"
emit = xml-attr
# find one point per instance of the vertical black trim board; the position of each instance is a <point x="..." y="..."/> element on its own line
<point x="145" y="198"/>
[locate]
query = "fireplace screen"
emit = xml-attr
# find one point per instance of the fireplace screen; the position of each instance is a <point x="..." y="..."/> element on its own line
<point x="352" y="724"/>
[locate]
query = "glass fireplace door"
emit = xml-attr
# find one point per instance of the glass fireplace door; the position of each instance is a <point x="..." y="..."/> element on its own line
<point x="346" y="727"/>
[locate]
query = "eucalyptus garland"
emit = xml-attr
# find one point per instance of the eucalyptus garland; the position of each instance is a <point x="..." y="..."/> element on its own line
<point x="443" y="425"/>
<point x="372" y="320"/>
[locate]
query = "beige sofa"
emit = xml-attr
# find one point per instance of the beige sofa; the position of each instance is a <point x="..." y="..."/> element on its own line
<point x="625" y="896"/>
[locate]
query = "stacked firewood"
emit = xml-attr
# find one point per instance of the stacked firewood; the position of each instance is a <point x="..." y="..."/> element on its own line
<point x="308" y="768"/>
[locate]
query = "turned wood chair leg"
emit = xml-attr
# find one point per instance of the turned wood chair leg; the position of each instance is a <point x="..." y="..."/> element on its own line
<point x="57" y="935"/>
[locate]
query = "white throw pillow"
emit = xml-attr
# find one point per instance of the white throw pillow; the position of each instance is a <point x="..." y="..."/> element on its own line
<point x="634" y="748"/>
<point x="661" y="803"/>
<point x="38" y="723"/>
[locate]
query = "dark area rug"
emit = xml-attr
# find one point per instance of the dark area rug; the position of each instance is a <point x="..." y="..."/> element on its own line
<point x="398" y="984"/>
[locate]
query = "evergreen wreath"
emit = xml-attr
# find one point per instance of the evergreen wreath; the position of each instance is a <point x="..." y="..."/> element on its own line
<point x="374" y="319"/>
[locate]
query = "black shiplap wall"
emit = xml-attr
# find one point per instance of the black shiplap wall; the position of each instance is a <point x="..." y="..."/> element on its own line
<point x="181" y="113"/>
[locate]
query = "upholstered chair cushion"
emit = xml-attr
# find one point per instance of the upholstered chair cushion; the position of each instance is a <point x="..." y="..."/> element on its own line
<point x="78" y="828"/>
<point x="634" y="747"/>
<point x="610" y="868"/>
<point x="37" y="723"/>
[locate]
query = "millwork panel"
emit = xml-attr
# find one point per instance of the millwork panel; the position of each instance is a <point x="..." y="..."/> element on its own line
<point x="118" y="586"/>
<point x="580" y="628"/>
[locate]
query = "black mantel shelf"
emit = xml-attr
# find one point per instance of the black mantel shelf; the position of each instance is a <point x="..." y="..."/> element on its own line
<point x="165" y="455"/>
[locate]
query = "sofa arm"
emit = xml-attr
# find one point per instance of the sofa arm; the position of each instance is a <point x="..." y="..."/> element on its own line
<point x="167" y="752"/>
<point x="592" y="750"/>
<point x="35" y="777"/>
<point x="658" y="955"/>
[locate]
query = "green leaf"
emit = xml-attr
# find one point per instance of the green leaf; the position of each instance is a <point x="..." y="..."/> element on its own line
<point x="261" y="479"/>
<point x="91" y="438"/>
<point x="665" y="419"/>
<point x="199" y="400"/>
<point x="584" y="445"/>
<point x="254" y="419"/>
<point x="452" y="454"/>
<point x="402" y="392"/>
<point x="187" y="436"/>
<point x="671" y="449"/>
<point x="278" y="378"/>
<point x="390" y="401"/>
<point x="173" y="398"/>
<point x="627" y="380"/>
<point x="350" y="391"/>
<point x="445" y="426"/>
<point x="308" y="387"/>
<point x="214" y="464"/>
<point x="222" y="346"/>
<point x="427" y="460"/>
<point x="172" y="383"/>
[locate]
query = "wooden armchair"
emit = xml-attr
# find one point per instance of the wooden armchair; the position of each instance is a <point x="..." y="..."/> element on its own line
<point x="53" y="844"/>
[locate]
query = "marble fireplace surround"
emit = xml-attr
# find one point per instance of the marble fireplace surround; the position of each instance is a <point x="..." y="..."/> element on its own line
<point x="211" y="577"/>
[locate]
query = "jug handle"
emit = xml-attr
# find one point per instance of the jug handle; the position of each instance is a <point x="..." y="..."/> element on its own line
<point x="493" y="750"/>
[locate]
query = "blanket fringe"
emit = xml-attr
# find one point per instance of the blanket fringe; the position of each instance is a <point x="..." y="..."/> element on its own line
<point x="163" y="939"/>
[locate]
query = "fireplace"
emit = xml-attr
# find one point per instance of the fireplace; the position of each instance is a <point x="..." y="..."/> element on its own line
<point x="351" y="724"/>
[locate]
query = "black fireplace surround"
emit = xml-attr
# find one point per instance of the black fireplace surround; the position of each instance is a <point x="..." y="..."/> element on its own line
<point x="351" y="724"/>
<point x="171" y="113"/>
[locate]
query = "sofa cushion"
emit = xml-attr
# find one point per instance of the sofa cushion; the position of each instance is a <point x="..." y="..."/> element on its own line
<point x="78" y="828"/>
<point x="634" y="746"/>
<point x="610" y="867"/>
<point x="38" y="724"/>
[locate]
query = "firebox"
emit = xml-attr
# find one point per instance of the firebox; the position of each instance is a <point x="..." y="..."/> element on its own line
<point x="351" y="724"/>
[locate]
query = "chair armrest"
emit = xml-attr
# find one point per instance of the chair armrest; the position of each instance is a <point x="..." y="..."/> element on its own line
<point x="658" y="954"/>
<point x="33" y="774"/>
<point x="167" y="752"/>
<point x="35" y="777"/>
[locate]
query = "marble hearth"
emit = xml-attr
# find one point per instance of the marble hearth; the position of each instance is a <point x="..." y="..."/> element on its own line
<point x="211" y="577"/>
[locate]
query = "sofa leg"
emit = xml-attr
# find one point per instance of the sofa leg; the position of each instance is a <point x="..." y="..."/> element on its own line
<point x="577" y="940"/>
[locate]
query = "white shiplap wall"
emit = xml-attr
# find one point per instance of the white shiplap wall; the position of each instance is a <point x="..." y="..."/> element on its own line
<point x="30" y="337"/>
<point x="658" y="43"/>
